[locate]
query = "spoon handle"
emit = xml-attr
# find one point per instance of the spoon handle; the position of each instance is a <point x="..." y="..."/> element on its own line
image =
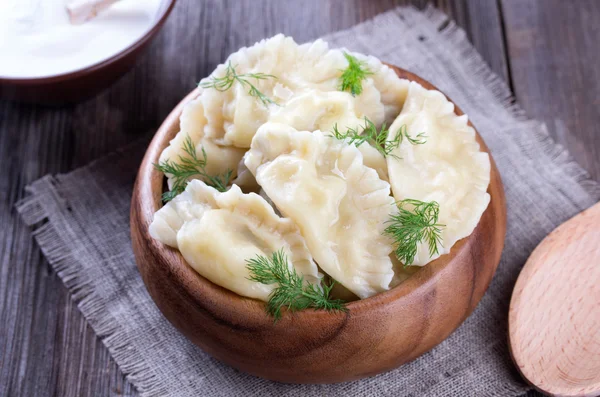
<point x="81" y="11"/>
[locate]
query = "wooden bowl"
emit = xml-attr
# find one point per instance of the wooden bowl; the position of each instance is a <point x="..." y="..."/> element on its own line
<point x="376" y="335"/>
<point x="80" y="84"/>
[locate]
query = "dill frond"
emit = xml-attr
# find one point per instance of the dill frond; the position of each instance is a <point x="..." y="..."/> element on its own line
<point x="291" y="291"/>
<point x="377" y="139"/>
<point x="407" y="228"/>
<point x="231" y="76"/>
<point x="352" y="136"/>
<point x="402" y="133"/>
<point x="191" y="166"/>
<point x="352" y="77"/>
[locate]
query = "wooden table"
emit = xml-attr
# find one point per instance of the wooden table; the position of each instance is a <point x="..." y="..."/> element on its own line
<point x="546" y="50"/>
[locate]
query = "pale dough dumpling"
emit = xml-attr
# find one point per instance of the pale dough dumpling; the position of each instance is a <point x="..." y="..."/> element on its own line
<point x="218" y="232"/>
<point x="191" y="123"/>
<point x="306" y="92"/>
<point x="449" y="168"/>
<point x="372" y="158"/>
<point x="340" y="114"/>
<point x="340" y="205"/>
<point x="316" y="110"/>
<point x="305" y="89"/>
<point x="392" y="89"/>
<point x="323" y="111"/>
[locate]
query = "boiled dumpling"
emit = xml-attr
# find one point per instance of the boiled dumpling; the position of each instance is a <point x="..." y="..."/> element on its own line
<point x="372" y="158"/>
<point x="192" y="121"/>
<point x="391" y="88"/>
<point x="218" y="232"/>
<point x="303" y="93"/>
<point x="317" y="110"/>
<point x="340" y="205"/>
<point x="323" y="111"/>
<point x="449" y="168"/>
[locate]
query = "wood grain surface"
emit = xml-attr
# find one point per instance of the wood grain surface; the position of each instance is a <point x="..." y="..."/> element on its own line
<point x="236" y="330"/>
<point x="554" y="49"/>
<point x="46" y="347"/>
<point x="554" y="327"/>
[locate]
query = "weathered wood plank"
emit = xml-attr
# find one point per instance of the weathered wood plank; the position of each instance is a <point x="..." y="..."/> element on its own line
<point x="44" y="342"/>
<point x="482" y="21"/>
<point x="46" y="347"/>
<point x="554" y="58"/>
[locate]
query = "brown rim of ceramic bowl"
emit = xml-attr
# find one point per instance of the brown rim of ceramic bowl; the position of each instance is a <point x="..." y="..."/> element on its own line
<point x="431" y="304"/>
<point x="167" y="7"/>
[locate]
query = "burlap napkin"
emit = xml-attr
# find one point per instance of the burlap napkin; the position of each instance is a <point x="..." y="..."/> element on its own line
<point x="81" y="222"/>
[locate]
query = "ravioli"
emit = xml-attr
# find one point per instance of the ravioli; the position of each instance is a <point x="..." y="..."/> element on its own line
<point x="339" y="204"/>
<point x="449" y="168"/>
<point x="218" y="232"/>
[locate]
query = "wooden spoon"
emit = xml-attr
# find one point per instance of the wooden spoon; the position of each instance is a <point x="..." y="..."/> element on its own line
<point x="554" y="319"/>
<point x="81" y="11"/>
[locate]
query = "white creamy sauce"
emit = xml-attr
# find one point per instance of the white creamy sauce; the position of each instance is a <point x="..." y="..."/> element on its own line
<point x="37" y="39"/>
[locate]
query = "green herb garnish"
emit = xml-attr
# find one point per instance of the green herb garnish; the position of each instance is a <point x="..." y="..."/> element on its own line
<point x="377" y="139"/>
<point x="409" y="227"/>
<point x="353" y="75"/>
<point x="291" y="291"/>
<point x="419" y="139"/>
<point x="188" y="167"/>
<point x="226" y="82"/>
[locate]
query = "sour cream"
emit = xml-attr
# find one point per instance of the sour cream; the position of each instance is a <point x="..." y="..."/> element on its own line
<point x="37" y="40"/>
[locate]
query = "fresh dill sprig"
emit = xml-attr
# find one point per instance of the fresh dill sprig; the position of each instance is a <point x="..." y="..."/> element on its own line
<point x="409" y="227"/>
<point x="191" y="166"/>
<point x="351" y="136"/>
<point x="291" y="291"/>
<point x="369" y="134"/>
<point x="377" y="139"/>
<point x="231" y="76"/>
<point x="419" y="139"/>
<point x="353" y="75"/>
